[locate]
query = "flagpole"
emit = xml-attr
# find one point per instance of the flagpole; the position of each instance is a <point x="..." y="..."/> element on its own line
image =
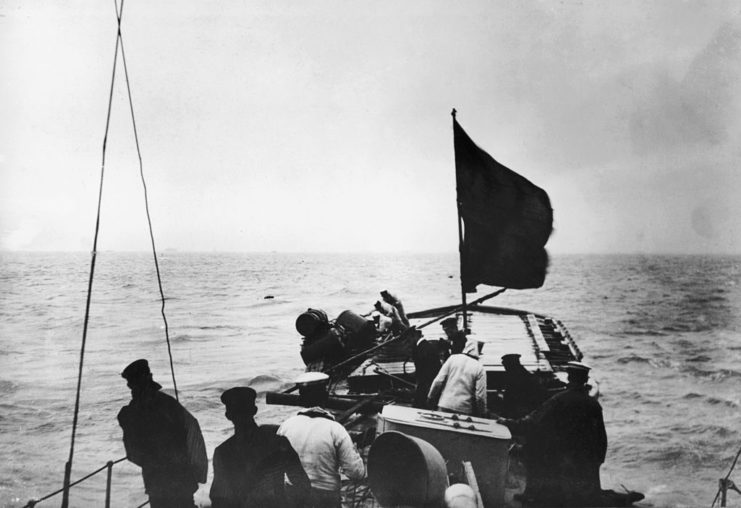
<point x="460" y="248"/>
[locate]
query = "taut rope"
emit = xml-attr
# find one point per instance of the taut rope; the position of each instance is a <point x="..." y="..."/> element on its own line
<point x="119" y="44"/>
<point x="146" y="201"/>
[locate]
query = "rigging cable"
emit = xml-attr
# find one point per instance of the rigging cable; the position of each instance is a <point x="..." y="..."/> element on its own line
<point x="119" y="43"/>
<point x="146" y="204"/>
<point x="93" y="255"/>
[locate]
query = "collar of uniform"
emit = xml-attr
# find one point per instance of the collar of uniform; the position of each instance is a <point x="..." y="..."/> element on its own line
<point x="317" y="412"/>
<point x="420" y="340"/>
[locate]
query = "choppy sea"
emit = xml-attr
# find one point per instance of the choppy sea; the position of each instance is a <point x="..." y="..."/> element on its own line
<point x="662" y="334"/>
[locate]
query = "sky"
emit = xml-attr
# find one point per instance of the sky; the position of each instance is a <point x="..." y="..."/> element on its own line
<point x="325" y="125"/>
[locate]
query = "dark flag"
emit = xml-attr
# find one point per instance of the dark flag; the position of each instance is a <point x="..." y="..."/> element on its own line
<point x="507" y="221"/>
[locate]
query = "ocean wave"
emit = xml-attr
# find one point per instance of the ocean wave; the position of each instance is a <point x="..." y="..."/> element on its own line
<point x="702" y="431"/>
<point x="693" y="327"/>
<point x="704" y="299"/>
<point x="46" y="427"/>
<point x="343" y="291"/>
<point x="261" y="384"/>
<point x="723" y="402"/>
<point x="263" y="302"/>
<point x="220" y="327"/>
<point x="684" y="453"/>
<point x="692" y="395"/>
<point x="699" y="359"/>
<point x="713" y="375"/>
<point x="266" y="383"/>
<point x="7" y="387"/>
<point x="179" y="338"/>
<point x="645" y="332"/>
<point x="633" y="358"/>
<point x="685" y="344"/>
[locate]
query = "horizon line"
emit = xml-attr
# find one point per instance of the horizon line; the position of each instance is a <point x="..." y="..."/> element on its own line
<point x="357" y="252"/>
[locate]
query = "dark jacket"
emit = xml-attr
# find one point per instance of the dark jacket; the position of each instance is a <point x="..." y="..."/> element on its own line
<point x="249" y="470"/>
<point x="566" y="444"/>
<point x="522" y="393"/>
<point x="426" y="357"/>
<point x="165" y="440"/>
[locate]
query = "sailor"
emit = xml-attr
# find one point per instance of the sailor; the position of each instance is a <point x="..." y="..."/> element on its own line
<point x="567" y="443"/>
<point x="162" y="438"/>
<point x="394" y="301"/>
<point x="397" y="325"/>
<point x="250" y="466"/>
<point x="427" y="363"/>
<point x="322" y="444"/>
<point x="460" y="386"/>
<point x="456" y="338"/>
<point x="381" y="322"/>
<point x="522" y="391"/>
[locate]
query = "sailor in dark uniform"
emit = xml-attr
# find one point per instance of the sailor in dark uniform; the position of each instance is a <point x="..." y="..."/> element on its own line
<point x="164" y="439"/>
<point x="427" y="363"/>
<point x="249" y="467"/>
<point x="456" y="338"/>
<point x="522" y="391"/>
<point x="567" y="443"/>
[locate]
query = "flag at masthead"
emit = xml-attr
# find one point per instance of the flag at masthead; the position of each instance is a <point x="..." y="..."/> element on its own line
<point x="507" y="221"/>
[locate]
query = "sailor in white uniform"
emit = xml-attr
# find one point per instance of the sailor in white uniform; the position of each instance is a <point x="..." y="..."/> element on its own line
<point x="460" y="386"/>
<point x="323" y="445"/>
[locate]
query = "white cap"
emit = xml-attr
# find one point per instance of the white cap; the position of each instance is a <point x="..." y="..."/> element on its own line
<point x="312" y="378"/>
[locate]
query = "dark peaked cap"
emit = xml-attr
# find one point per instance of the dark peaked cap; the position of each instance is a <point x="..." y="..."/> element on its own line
<point x="510" y="357"/>
<point x="239" y="397"/>
<point x="451" y="321"/>
<point x="136" y="369"/>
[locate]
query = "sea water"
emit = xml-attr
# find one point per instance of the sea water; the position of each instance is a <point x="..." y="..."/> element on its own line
<point x="661" y="333"/>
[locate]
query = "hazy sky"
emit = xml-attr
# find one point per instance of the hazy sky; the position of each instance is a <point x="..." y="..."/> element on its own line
<point x="325" y="125"/>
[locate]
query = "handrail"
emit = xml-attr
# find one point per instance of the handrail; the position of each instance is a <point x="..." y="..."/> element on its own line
<point x="108" y="465"/>
<point x="724" y="483"/>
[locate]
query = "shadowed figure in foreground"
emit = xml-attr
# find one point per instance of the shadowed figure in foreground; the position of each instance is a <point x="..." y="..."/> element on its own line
<point x="162" y="438"/>
<point x="250" y="466"/>
<point x="566" y="445"/>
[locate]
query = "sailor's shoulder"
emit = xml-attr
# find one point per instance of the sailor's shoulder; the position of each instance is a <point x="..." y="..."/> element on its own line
<point x="164" y="398"/>
<point x="227" y="446"/>
<point x="166" y="402"/>
<point x="268" y="435"/>
<point x="292" y="422"/>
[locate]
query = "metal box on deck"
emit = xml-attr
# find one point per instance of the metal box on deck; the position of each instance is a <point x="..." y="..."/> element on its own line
<point x="482" y="442"/>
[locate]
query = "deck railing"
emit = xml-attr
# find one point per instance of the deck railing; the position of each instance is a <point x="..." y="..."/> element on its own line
<point x="108" y="467"/>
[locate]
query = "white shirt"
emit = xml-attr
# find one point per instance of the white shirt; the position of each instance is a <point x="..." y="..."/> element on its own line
<point x="324" y="447"/>
<point x="460" y="386"/>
